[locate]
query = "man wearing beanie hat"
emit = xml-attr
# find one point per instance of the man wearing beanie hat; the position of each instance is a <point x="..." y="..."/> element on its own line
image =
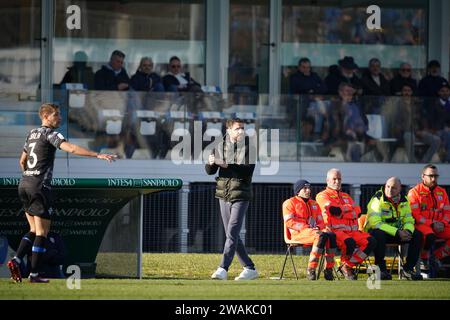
<point x="302" y="216"/>
<point x="341" y="216"/>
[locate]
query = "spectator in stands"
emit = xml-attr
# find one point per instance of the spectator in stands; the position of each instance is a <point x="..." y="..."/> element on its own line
<point x="440" y="111"/>
<point x="315" y="121"/>
<point x="79" y="72"/>
<point x="375" y="87"/>
<point x="345" y="73"/>
<point x="176" y="81"/>
<point x="307" y="129"/>
<point x="52" y="259"/>
<point x="304" y="81"/>
<point x="404" y="77"/>
<point x="347" y="124"/>
<point x="145" y="79"/>
<point x="113" y="76"/>
<point x="373" y="81"/>
<point x="432" y="82"/>
<point x="408" y="125"/>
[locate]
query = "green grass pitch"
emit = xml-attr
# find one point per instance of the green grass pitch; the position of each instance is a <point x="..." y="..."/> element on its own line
<point x="186" y="276"/>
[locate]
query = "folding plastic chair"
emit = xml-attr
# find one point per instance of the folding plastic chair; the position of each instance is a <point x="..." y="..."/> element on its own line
<point x="293" y="244"/>
<point x="398" y="255"/>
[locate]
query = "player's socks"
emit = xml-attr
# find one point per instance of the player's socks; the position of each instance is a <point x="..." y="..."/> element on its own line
<point x="25" y="245"/>
<point x="37" y="252"/>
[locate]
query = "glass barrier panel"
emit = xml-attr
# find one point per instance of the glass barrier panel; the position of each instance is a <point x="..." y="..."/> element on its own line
<point x="319" y="128"/>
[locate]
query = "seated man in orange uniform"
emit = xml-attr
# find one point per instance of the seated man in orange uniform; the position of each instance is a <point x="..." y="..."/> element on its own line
<point x="431" y="210"/>
<point x="340" y="214"/>
<point x="302" y="216"/>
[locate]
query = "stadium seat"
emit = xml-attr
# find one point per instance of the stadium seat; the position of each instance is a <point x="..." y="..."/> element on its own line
<point x="211" y="89"/>
<point x="181" y="122"/>
<point x="376" y="126"/>
<point x="113" y="119"/>
<point x="113" y="126"/>
<point x="77" y="94"/>
<point x="336" y="154"/>
<point x="148" y="121"/>
<point x="141" y="154"/>
<point x="398" y="255"/>
<point x="213" y="123"/>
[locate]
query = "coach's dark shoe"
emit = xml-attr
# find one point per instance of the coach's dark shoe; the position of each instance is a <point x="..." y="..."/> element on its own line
<point x="38" y="279"/>
<point x="411" y="275"/>
<point x="328" y="274"/>
<point x="311" y="274"/>
<point x="348" y="272"/>
<point x="14" y="269"/>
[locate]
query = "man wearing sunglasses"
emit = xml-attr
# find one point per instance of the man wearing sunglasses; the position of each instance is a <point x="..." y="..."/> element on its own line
<point x="404" y="77"/>
<point x="175" y="80"/>
<point x="431" y="211"/>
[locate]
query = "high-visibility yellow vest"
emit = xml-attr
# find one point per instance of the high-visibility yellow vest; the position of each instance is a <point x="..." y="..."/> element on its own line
<point x="382" y="214"/>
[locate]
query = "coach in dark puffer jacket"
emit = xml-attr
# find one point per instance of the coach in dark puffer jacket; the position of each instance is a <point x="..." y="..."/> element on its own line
<point x="234" y="193"/>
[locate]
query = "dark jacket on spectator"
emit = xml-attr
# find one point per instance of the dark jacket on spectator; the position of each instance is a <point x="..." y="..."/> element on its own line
<point x="79" y="73"/>
<point x="170" y="82"/>
<point x="371" y="88"/>
<point x="398" y="82"/>
<point x="142" y="81"/>
<point x="346" y="118"/>
<point x="438" y="114"/>
<point x="430" y="85"/>
<point x="301" y="84"/>
<point x="106" y="78"/>
<point x="334" y="78"/>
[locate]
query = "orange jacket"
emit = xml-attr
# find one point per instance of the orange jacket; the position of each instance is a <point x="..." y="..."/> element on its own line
<point x="299" y="215"/>
<point x="429" y="206"/>
<point x="348" y="220"/>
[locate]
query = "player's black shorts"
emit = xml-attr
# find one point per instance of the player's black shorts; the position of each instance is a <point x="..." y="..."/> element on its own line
<point x="36" y="199"/>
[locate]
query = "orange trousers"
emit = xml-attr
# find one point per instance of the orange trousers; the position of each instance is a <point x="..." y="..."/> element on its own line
<point x="357" y="246"/>
<point x="441" y="252"/>
<point x="311" y="237"/>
